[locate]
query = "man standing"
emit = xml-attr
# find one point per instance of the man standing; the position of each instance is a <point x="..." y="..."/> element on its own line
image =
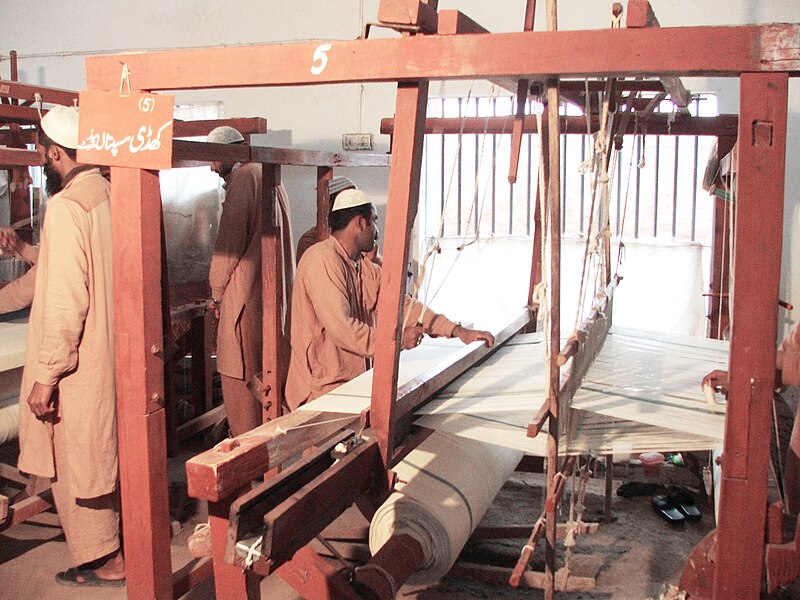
<point x="334" y="302"/>
<point x="235" y="278"/>
<point x="70" y="432"/>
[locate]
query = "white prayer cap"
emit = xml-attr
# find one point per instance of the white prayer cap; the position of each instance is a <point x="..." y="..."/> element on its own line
<point x="349" y="199"/>
<point x="224" y="135"/>
<point x="60" y="124"/>
<point x="339" y="183"/>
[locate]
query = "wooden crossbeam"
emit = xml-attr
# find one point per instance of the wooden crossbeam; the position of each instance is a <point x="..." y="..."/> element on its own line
<point x="657" y="124"/>
<point x="17" y="157"/>
<point x="244" y="125"/>
<point x="24" y="91"/>
<point x="721" y="51"/>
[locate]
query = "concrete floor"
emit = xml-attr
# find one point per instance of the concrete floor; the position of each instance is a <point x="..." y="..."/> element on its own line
<point x="633" y="558"/>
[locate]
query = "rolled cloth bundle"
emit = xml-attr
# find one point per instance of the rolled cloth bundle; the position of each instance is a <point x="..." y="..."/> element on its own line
<point x="444" y="488"/>
<point x="9" y="419"/>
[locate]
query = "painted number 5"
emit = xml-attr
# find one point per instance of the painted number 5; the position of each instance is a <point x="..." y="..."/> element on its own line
<point x="320" y="58"/>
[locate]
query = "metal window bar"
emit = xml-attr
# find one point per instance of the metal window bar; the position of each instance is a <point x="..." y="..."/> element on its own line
<point x="688" y="211"/>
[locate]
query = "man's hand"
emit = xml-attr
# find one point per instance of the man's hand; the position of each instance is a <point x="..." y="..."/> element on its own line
<point x="473" y="335"/>
<point x="41" y="400"/>
<point x="213" y="306"/>
<point x="412" y="336"/>
<point x="10" y="241"/>
<point x="717" y="379"/>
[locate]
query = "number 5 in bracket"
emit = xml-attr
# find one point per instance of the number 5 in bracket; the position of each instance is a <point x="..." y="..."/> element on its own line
<point x="320" y="58"/>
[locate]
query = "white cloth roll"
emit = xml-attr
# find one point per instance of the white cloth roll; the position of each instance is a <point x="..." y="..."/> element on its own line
<point x="444" y="487"/>
<point x="9" y="419"/>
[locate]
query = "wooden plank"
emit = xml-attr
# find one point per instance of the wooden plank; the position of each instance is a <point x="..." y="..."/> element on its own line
<point x="193" y="154"/>
<point x="24" y="91"/>
<point x="230" y="582"/>
<point x="198" y="424"/>
<point x="657" y="124"/>
<point x="139" y="339"/>
<point x="324" y="176"/>
<point x="402" y="202"/>
<point x="16" y="157"/>
<point x="202" y="127"/>
<point x="248" y="510"/>
<point x="191" y="574"/>
<point x="529" y="580"/>
<point x="317" y="158"/>
<point x="419" y="15"/>
<point x="290" y="526"/>
<point x="420" y="389"/>
<point x="217" y="473"/>
<point x="23" y="510"/>
<point x="723" y="51"/>
<point x="756" y="260"/>
<point x="271" y="297"/>
<point x="12" y="473"/>
<point x="25" y="115"/>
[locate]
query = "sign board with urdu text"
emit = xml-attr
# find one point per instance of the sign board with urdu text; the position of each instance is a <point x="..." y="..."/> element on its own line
<point x="125" y="130"/>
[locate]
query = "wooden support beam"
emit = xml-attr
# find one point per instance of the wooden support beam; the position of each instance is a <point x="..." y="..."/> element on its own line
<point x="272" y="357"/>
<point x="295" y="522"/>
<point x="564" y="582"/>
<point x="21" y="511"/>
<point x="522" y="99"/>
<point x="25" y="115"/>
<point x="721" y="51"/>
<point x="657" y="124"/>
<point x="23" y="91"/>
<point x="248" y="510"/>
<point x="757" y="259"/>
<point x="402" y="204"/>
<point x="194" y="154"/>
<point x="324" y="176"/>
<point x="141" y="422"/>
<point x="17" y="157"/>
<point x="244" y="125"/>
<point x="193" y="573"/>
<point x="416" y="392"/>
<point x="230" y="582"/>
<point x="3" y="508"/>
<point x="217" y="473"/>
<point x="640" y="14"/>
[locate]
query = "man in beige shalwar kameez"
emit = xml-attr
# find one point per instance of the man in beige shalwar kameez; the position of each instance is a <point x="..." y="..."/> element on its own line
<point x="69" y="433"/>
<point x="334" y="301"/>
<point x="235" y="278"/>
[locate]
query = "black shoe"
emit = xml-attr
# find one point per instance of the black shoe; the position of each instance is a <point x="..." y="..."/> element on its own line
<point x="663" y="506"/>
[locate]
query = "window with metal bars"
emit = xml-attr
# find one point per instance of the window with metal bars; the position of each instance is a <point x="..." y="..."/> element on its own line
<point x="656" y="191"/>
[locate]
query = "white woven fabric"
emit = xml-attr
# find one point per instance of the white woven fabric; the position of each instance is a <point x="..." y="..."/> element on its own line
<point x="445" y="486"/>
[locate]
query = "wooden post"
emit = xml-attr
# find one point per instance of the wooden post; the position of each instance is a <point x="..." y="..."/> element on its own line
<point x="324" y="176"/>
<point x="756" y="264"/>
<point x="400" y="213"/>
<point x="138" y="347"/>
<point x="718" y="306"/>
<point x="229" y="581"/>
<point x="522" y="97"/>
<point x="271" y="296"/>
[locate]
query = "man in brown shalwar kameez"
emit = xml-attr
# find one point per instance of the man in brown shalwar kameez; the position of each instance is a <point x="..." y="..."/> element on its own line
<point x="334" y="301"/>
<point x="69" y="433"/>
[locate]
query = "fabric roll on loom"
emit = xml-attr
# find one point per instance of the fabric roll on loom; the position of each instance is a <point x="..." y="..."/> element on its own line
<point x="441" y="497"/>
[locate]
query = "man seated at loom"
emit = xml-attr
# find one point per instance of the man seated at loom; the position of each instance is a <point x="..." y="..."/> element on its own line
<point x="787" y="363"/>
<point x="334" y="302"/>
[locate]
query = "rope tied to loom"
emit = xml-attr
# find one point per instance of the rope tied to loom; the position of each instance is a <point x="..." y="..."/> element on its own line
<point x="576" y="510"/>
<point x="252" y="552"/>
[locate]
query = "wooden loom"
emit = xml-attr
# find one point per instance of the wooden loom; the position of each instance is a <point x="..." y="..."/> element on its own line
<point x="762" y="56"/>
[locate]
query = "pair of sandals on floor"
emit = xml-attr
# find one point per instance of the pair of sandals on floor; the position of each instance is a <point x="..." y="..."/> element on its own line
<point x="676" y="506"/>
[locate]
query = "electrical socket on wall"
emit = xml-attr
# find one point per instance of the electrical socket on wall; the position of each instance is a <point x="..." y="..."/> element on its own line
<point x="357" y="141"/>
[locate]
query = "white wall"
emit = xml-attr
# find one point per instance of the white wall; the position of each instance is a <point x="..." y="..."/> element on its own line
<point x="52" y="39"/>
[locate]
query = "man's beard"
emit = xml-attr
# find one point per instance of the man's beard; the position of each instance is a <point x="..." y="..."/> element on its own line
<point x="54" y="182"/>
